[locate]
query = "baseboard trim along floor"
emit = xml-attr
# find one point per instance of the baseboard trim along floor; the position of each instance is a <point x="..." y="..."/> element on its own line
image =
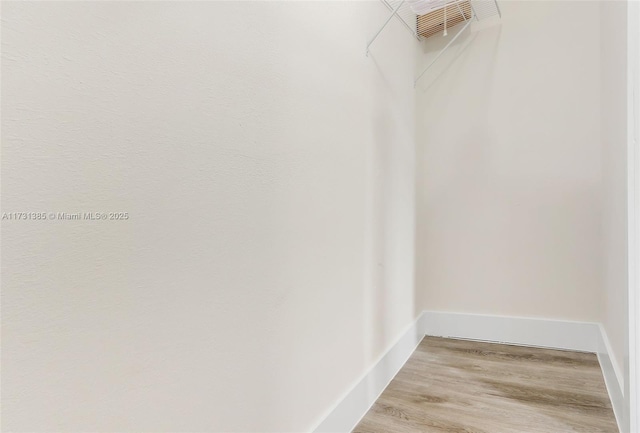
<point x="612" y="377"/>
<point x="556" y="334"/>
<point x="351" y="408"/>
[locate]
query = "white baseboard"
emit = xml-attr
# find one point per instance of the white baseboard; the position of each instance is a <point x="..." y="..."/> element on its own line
<point x="355" y="404"/>
<point x="612" y="377"/>
<point x="556" y="334"/>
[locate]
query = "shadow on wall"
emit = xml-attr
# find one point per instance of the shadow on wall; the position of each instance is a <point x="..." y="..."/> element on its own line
<point x="509" y="171"/>
<point x="435" y="44"/>
<point x="443" y="83"/>
<point x="389" y="213"/>
<point x="377" y="227"/>
<point x="377" y="170"/>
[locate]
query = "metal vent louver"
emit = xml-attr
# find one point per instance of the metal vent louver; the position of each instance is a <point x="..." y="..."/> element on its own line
<point x="439" y="20"/>
<point x="427" y="18"/>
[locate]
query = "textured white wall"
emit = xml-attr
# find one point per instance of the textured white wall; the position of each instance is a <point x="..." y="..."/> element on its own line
<point x="633" y="155"/>
<point x="614" y="178"/>
<point x="267" y="168"/>
<point x="509" y="200"/>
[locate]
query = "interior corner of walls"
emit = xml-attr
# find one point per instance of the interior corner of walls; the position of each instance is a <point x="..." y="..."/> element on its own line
<point x="351" y="407"/>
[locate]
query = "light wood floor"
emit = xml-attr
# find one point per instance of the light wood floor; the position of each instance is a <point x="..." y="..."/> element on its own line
<point x="472" y="387"/>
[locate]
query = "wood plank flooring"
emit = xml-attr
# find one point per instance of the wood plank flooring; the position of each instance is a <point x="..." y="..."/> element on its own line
<point x="451" y="385"/>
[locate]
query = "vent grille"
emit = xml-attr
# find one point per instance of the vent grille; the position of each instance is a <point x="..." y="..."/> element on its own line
<point x="433" y="22"/>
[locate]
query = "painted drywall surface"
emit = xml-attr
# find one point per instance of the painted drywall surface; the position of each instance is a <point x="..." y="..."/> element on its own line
<point x="509" y="200"/>
<point x="614" y="179"/>
<point x="266" y="165"/>
<point x="633" y="160"/>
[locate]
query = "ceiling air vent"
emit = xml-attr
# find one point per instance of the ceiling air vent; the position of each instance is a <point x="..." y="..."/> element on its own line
<point x="439" y="20"/>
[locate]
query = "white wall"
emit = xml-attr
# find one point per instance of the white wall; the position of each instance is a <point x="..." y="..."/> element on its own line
<point x="509" y="196"/>
<point x="267" y="168"/>
<point x="633" y="158"/>
<point x="614" y="179"/>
